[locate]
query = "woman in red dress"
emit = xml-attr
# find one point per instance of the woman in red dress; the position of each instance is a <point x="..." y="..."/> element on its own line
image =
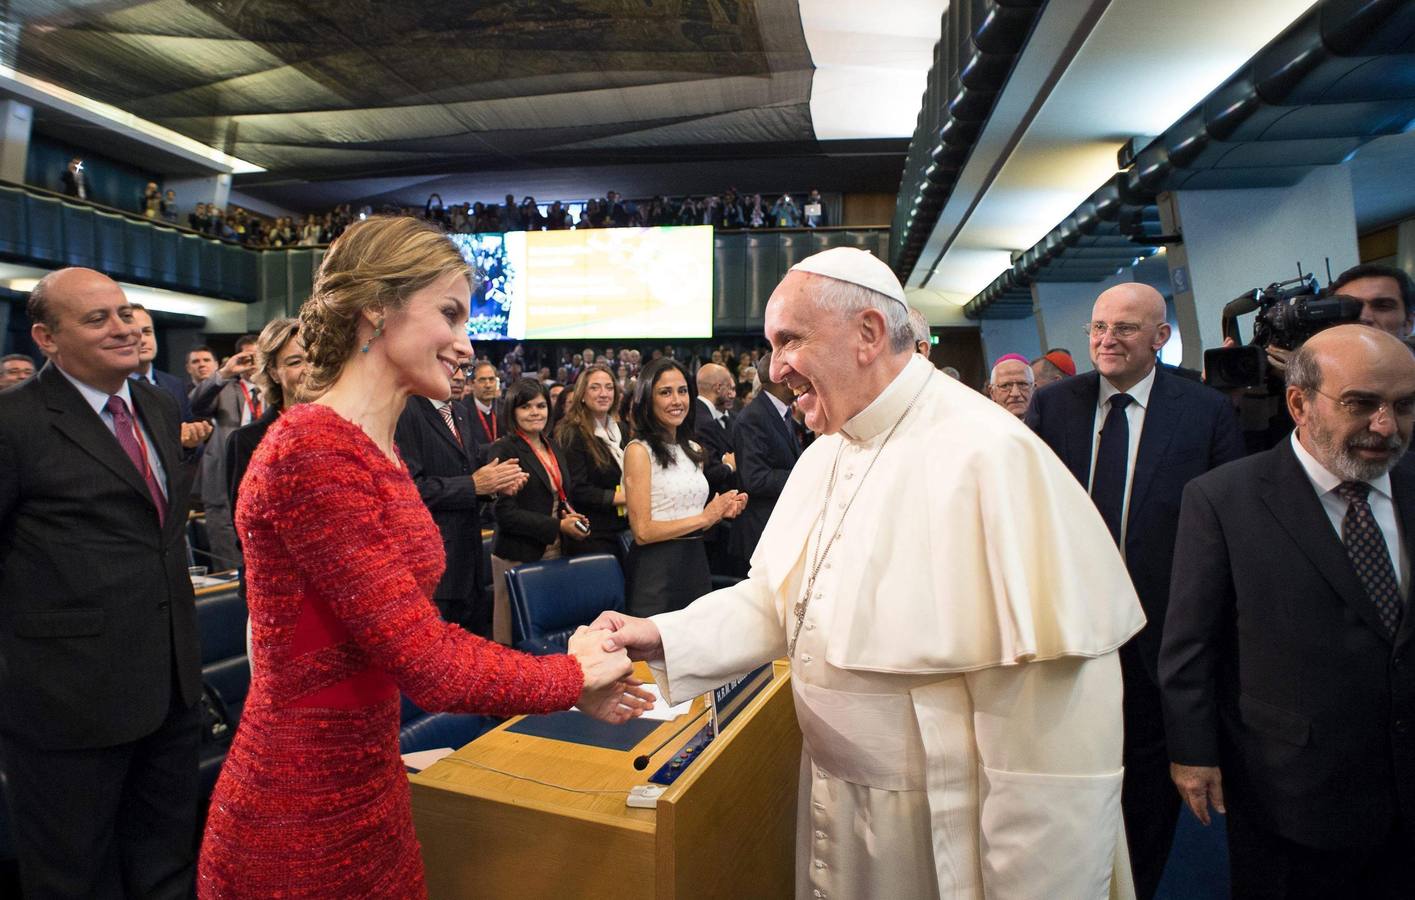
<point x="341" y="561"/>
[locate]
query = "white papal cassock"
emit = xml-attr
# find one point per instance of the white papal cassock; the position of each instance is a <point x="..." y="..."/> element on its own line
<point x="956" y="680"/>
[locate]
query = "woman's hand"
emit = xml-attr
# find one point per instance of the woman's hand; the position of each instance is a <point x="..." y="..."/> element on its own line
<point x="723" y="506"/>
<point x="602" y="667"/>
<point x="739" y="503"/>
<point x="568" y="523"/>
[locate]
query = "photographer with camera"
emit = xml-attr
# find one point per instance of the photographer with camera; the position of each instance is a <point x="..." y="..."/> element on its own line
<point x="1285" y="667"/>
<point x="1135" y="433"/>
<point x="230" y="400"/>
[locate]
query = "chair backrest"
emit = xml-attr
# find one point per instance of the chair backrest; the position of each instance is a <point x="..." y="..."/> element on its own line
<point x="551" y="598"/>
<point x="221" y="621"/>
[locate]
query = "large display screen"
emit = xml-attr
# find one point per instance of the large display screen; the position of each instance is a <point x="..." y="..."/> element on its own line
<point x="594" y="283"/>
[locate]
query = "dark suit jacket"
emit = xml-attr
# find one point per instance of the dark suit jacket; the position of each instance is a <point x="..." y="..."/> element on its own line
<point x="766" y="452"/>
<point x="240" y="446"/>
<point x="1189" y="429"/>
<point x="442" y="470"/>
<point x="1273" y="666"/>
<point x="96" y="609"/>
<point x="525" y="521"/>
<point x="715" y="441"/>
<point x="481" y="436"/>
<point x="592" y="488"/>
<point x="177" y="388"/>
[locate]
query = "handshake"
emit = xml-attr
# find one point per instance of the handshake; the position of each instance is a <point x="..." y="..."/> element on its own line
<point x="604" y="650"/>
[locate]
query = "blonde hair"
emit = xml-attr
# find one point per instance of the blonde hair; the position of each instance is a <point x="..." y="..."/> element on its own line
<point x="376" y="263"/>
<point x="273" y="336"/>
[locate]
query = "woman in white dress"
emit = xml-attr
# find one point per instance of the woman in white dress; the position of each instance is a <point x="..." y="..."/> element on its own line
<point x="667" y="494"/>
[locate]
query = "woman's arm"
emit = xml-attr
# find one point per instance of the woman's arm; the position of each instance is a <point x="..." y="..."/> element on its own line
<point x="637" y="489"/>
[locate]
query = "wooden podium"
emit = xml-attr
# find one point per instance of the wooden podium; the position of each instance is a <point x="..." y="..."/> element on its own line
<point x="525" y="817"/>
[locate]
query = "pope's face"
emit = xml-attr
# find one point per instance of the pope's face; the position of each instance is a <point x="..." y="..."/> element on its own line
<point x="814" y="353"/>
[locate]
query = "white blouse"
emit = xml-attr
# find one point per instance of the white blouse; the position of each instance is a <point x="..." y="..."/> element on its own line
<point x="676" y="492"/>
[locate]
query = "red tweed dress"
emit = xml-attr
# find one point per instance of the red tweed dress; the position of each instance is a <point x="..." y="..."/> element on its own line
<point x="341" y="561"/>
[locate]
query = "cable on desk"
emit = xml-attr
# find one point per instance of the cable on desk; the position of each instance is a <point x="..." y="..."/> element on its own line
<point x="559" y="787"/>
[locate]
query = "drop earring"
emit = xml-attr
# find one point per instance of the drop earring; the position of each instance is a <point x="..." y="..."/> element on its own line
<point x="377" y="330"/>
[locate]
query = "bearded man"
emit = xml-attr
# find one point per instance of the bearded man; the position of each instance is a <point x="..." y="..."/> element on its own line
<point x="958" y="689"/>
<point x="1286" y="663"/>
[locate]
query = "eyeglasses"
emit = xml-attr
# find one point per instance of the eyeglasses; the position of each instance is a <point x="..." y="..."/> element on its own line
<point x="1008" y="387"/>
<point x="1366" y="407"/>
<point x="1120" y="330"/>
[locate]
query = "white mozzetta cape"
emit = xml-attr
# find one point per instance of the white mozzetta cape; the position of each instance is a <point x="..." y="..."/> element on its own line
<point x="956" y="680"/>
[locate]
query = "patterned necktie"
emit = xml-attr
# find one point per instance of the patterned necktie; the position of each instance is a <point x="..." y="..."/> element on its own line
<point x="1112" y="461"/>
<point x="1366" y="546"/>
<point x="127" y="437"/>
<point x="255" y="403"/>
<point x="446" y="410"/>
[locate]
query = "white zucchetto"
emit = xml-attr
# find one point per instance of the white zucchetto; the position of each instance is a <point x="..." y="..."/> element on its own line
<point x="856" y="267"/>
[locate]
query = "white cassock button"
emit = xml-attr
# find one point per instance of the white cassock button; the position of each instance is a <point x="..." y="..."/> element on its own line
<point x="840" y="503"/>
<point x="819" y="805"/>
<point x="849" y="475"/>
<point x="810" y="626"/>
<point x="820" y="865"/>
<point x="827" y="565"/>
<point x="818" y="893"/>
<point x="820" y="835"/>
<point x="805" y="657"/>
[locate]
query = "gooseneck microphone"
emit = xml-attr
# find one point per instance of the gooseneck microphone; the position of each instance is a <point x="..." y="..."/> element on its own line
<point x="642" y="762"/>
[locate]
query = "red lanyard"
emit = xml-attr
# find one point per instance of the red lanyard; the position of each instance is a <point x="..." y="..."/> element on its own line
<point x="549" y="463"/>
<point x="251" y="404"/>
<point x="488" y="427"/>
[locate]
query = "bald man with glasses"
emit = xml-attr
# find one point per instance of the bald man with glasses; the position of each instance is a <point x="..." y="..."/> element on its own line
<point x="1134" y="435"/>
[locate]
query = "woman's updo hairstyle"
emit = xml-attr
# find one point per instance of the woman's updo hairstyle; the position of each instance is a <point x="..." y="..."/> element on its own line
<point x="377" y="261"/>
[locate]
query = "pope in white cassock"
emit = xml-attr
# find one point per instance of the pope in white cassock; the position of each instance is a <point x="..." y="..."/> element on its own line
<point x="951" y="603"/>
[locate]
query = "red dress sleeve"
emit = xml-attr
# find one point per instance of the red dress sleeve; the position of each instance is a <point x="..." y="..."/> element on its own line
<point x="329" y="517"/>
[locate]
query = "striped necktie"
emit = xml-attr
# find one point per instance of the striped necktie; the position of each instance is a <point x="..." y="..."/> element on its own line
<point x="446" y="410"/>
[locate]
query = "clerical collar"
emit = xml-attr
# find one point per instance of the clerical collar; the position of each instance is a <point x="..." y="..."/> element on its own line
<point x="1139" y="392"/>
<point x="872" y="421"/>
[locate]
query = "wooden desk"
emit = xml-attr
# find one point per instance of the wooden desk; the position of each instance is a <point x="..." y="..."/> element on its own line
<point x="724" y="829"/>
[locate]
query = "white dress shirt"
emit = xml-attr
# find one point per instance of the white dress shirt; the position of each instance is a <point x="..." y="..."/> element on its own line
<point x="99" y="401"/>
<point x="1380" y="500"/>
<point x="1135" y="422"/>
<point x="717" y="414"/>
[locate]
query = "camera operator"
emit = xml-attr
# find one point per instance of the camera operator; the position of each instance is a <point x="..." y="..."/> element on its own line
<point x="1384" y="292"/>
<point x="1134" y="433"/>
<point x="1285" y="666"/>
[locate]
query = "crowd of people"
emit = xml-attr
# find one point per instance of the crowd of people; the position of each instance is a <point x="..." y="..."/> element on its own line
<point x="728" y="210"/>
<point x="1250" y="604"/>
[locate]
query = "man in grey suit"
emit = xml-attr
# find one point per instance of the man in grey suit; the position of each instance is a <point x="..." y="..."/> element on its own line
<point x="230" y="400"/>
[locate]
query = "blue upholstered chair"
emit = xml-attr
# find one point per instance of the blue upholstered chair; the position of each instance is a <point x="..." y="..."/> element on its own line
<point x="550" y="599"/>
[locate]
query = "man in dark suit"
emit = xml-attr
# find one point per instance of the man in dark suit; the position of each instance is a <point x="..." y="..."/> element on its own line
<point x="1287" y="663"/>
<point x="484" y="407"/>
<point x="434" y="440"/>
<point x="230" y="400"/>
<point x="712" y="429"/>
<point x="100" y="677"/>
<point x="146" y="371"/>
<point x="1134" y="435"/>
<point x="767" y="444"/>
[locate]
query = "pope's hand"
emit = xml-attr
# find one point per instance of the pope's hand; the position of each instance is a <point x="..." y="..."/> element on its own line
<point x="619" y="702"/>
<point x="1199" y="786"/>
<point x="639" y="636"/>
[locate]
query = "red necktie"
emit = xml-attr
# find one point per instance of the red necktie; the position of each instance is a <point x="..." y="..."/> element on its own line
<point x="123" y="428"/>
